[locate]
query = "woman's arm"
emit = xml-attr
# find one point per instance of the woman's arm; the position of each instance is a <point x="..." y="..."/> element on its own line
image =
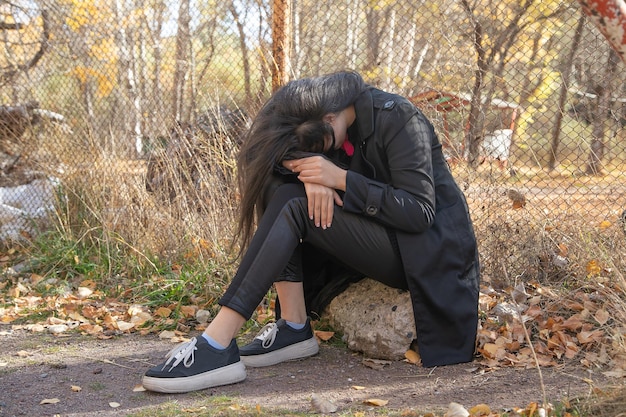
<point x="406" y="200"/>
<point x="321" y="179"/>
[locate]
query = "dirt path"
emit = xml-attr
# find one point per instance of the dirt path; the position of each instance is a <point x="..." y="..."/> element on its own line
<point x="34" y="367"/>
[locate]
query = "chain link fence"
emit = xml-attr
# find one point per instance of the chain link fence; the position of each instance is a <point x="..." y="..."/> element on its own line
<point x="134" y="109"/>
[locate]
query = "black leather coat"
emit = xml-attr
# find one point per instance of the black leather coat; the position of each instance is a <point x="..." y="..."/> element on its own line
<point x="399" y="177"/>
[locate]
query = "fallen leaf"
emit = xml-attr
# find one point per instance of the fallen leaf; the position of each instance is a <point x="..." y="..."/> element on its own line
<point x="324" y="335"/>
<point x="456" y="410"/>
<point x="76" y="388"/>
<point x="140" y="318"/>
<point x="589" y="337"/>
<point x="194" y="411"/>
<point x="166" y="334"/>
<point x="163" y="312"/>
<point x="519" y="293"/>
<point x="377" y="364"/>
<point x="84" y="292"/>
<point x="376" y="402"/>
<point x="189" y="311"/>
<point x="139" y="388"/>
<point x="114" y="404"/>
<point x="321" y="405"/>
<point x="412" y="356"/>
<point x="50" y="401"/>
<point x="480" y="410"/>
<point x="605" y="224"/>
<point x="357" y="387"/>
<point x="601" y="316"/>
<point x="593" y="268"/>
<point x="58" y="328"/>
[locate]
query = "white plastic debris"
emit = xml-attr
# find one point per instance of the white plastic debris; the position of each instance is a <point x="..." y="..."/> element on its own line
<point x="21" y="205"/>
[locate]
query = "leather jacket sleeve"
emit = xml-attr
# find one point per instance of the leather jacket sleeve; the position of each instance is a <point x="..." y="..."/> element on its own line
<point x="401" y="193"/>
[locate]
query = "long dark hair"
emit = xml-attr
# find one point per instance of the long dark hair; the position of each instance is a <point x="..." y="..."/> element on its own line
<point x="289" y="124"/>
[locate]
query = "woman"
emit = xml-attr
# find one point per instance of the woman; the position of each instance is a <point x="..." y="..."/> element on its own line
<point x="352" y="178"/>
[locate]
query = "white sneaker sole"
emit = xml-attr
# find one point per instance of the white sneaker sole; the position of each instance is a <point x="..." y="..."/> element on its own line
<point x="298" y="350"/>
<point x="226" y="375"/>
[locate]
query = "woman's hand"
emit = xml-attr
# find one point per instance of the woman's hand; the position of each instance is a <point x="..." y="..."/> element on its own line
<point x="321" y="200"/>
<point x="318" y="170"/>
<point x="321" y="179"/>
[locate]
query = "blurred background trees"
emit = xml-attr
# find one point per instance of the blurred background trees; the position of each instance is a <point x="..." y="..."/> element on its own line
<point x="525" y="94"/>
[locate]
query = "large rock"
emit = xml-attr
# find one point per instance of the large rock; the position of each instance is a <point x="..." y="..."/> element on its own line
<point x="374" y="319"/>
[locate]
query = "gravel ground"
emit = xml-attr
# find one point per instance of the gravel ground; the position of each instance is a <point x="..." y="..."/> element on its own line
<point x="87" y="376"/>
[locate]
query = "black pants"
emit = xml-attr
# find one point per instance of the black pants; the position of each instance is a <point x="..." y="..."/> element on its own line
<point x="275" y="251"/>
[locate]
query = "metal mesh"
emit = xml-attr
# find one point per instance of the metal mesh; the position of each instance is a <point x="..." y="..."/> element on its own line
<point x="136" y="108"/>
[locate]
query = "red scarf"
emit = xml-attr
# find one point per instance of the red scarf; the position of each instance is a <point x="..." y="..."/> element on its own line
<point x="348" y="147"/>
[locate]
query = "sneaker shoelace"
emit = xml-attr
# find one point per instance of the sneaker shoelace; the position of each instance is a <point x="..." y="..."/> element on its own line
<point x="185" y="353"/>
<point x="267" y="335"/>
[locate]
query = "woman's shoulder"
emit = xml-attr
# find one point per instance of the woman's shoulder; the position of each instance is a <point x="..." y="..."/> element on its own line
<point x="384" y="100"/>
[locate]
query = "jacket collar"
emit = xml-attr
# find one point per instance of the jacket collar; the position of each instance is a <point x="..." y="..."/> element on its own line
<point x="364" y="109"/>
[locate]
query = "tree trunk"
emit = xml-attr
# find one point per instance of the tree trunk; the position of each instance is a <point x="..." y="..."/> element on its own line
<point x="244" y="51"/>
<point x="567" y="70"/>
<point x="475" y="122"/>
<point x="181" y="66"/>
<point x="131" y="103"/>
<point x="597" y="149"/>
<point x="281" y="42"/>
<point x="158" y="105"/>
<point x="351" y="29"/>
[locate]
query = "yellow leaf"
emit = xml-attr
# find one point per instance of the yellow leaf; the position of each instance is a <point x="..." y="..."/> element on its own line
<point x="323" y="335"/>
<point x="76" y="388"/>
<point x="480" y="410"/>
<point x="605" y="224"/>
<point x="163" y="312"/>
<point x="139" y="388"/>
<point x="491" y="350"/>
<point x="89" y="283"/>
<point x="50" y="401"/>
<point x="412" y="356"/>
<point x="188" y="311"/>
<point x="593" y="268"/>
<point x="376" y="402"/>
<point x="357" y="387"/>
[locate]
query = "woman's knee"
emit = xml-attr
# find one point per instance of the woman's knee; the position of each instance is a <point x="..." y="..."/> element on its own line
<point x="284" y="194"/>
